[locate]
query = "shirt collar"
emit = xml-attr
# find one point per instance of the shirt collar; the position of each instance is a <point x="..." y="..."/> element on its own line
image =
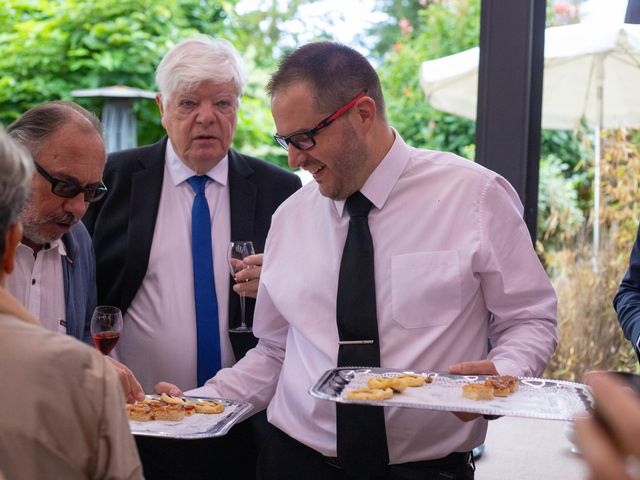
<point x="378" y="186"/>
<point x="56" y="245"/>
<point x="179" y="172"/>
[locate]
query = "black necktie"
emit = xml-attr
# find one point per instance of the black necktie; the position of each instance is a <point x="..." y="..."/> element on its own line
<point x="361" y="435"/>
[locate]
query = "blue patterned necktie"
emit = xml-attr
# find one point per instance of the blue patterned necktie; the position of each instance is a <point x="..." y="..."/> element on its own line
<point x="204" y="283"/>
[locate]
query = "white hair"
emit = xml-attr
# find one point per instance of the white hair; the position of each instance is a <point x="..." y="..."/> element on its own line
<point x="198" y="59"/>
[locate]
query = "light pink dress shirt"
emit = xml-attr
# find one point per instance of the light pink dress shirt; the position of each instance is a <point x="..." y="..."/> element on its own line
<point x="159" y="336"/>
<point x="454" y="268"/>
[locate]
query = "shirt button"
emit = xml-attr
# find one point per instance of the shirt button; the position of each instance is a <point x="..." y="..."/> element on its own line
<point x="33" y="281"/>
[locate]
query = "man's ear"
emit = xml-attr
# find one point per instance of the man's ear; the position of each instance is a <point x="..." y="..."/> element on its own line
<point x="161" y="108"/>
<point x="159" y="103"/>
<point x="365" y="112"/>
<point x="11" y="240"/>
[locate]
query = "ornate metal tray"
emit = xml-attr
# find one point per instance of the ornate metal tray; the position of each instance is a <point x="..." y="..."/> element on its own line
<point x="535" y="398"/>
<point x="198" y="425"/>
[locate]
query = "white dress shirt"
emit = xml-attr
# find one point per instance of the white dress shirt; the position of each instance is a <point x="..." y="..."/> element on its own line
<point x="454" y="268"/>
<point x="38" y="283"/>
<point x="159" y="337"/>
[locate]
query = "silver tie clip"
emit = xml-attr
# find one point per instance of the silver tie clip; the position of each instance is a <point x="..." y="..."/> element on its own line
<point x="355" y="342"/>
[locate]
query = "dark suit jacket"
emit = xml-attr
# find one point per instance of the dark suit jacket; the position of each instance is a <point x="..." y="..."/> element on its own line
<point x="627" y="300"/>
<point x="122" y="223"/>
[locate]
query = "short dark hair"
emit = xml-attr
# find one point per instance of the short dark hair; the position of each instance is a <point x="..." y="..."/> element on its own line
<point x="35" y="125"/>
<point x="336" y="73"/>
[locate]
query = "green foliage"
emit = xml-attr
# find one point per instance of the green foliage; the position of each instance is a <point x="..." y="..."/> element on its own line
<point x="574" y="149"/>
<point x="51" y="47"/>
<point x="440" y="29"/>
<point x="559" y="216"/>
<point x="567" y="145"/>
<point x="431" y="29"/>
<point x="386" y="32"/>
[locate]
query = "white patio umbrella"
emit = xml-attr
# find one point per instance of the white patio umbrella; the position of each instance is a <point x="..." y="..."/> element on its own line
<point x="589" y="72"/>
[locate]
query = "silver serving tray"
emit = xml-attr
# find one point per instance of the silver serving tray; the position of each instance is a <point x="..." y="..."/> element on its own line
<point x="536" y="397"/>
<point x="198" y="425"/>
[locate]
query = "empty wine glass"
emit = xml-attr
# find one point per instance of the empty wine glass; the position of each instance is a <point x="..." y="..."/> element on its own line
<point x="106" y="326"/>
<point x="238" y="250"/>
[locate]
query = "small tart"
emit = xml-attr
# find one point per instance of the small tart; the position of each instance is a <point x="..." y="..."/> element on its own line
<point x="415" y="380"/>
<point x="477" y="391"/>
<point x="399" y="384"/>
<point x="500" y="388"/>
<point x="370" y="394"/>
<point x="503" y="385"/>
<point x="168" y="408"/>
<point x="512" y="381"/>
<point x="139" y="412"/>
<point x="378" y="382"/>
<point x="173" y="400"/>
<point x="208" y="406"/>
<point x="168" y="412"/>
<point x="396" y="384"/>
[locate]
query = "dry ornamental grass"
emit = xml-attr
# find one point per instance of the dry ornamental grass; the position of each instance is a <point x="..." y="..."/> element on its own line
<point x="589" y="333"/>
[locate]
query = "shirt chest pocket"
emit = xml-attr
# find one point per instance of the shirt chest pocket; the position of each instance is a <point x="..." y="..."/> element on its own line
<point x="425" y="288"/>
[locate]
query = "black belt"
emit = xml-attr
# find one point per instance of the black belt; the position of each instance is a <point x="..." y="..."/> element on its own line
<point x="455" y="458"/>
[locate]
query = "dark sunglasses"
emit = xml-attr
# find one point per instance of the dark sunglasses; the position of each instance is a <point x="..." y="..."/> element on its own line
<point x="306" y="140"/>
<point x="62" y="188"/>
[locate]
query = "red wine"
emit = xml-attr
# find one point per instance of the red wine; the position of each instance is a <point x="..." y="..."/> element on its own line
<point x="105" y="341"/>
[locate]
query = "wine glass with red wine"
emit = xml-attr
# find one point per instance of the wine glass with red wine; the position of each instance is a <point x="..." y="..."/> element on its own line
<point x="106" y="326"/>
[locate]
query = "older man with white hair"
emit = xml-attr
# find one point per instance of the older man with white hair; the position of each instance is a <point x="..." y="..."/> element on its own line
<point x="162" y="233"/>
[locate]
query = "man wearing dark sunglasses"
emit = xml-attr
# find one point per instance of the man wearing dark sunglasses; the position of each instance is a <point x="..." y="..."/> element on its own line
<point x="55" y="276"/>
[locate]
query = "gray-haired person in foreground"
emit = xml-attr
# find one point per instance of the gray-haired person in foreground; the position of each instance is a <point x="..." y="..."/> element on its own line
<point x="64" y="415"/>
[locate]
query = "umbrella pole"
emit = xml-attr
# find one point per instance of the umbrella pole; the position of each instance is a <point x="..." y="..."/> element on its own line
<point x="596" y="193"/>
<point x="596" y="156"/>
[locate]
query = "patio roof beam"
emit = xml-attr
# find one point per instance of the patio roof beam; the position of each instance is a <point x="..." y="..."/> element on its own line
<point x="510" y="95"/>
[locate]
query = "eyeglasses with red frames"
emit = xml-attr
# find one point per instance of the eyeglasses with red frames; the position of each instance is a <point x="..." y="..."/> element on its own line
<point x="306" y="140"/>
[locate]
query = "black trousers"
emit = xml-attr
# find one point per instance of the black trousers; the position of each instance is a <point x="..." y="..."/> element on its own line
<point x="283" y="458"/>
<point x="232" y="456"/>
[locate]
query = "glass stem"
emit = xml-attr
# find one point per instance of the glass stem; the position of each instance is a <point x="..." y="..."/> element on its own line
<point x="242" y="321"/>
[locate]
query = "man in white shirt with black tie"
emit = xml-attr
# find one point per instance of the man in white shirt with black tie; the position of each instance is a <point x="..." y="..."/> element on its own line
<point x="453" y="267"/>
